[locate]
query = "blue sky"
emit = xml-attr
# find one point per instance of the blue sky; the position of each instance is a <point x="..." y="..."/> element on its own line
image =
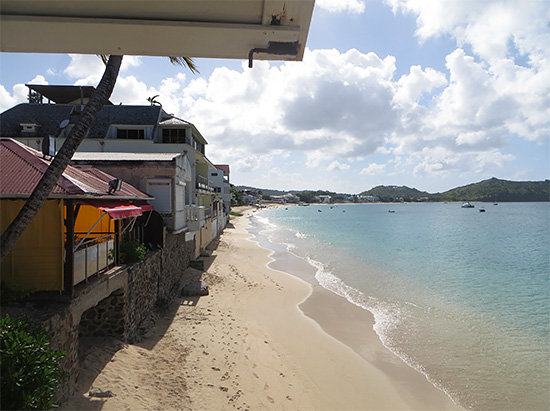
<point x="430" y="94"/>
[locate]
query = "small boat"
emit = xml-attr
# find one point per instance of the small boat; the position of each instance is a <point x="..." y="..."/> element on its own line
<point x="391" y="211"/>
<point x="481" y="210"/>
<point x="467" y="204"/>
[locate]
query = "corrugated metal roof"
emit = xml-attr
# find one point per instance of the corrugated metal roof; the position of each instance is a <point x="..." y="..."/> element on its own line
<point x="22" y="167"/>
<point x="108" y="156"/>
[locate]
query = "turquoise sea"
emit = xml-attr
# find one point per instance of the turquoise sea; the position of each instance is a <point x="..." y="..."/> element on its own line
<point x="460" y="295"/>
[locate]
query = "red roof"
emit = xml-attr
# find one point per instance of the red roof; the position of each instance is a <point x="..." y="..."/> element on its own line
<point x="21" y="168"/>
<point x="223" y="167"/>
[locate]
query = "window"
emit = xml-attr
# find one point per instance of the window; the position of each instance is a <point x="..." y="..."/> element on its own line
<point x="173" y="135"/>
<point x="130" y="133"/>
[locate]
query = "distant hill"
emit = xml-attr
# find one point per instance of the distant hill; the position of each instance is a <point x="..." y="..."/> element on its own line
<point x="396" y="193"/>
<point x="498" y="190"/>
<point x="265" y="191"/>
<point x="486" y="191"/>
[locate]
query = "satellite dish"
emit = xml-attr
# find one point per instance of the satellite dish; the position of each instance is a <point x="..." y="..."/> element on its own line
<point x="64" y="124"/>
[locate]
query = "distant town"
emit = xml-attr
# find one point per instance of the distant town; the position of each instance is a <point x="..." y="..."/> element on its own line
<point x="491" y="190"/>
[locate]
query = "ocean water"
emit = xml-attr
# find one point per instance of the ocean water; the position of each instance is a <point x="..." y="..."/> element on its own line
<point x="461" y="296"/>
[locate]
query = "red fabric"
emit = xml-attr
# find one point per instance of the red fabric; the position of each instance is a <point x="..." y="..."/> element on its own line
<point x="145" y="206"/>
<point x="116" y="209"/>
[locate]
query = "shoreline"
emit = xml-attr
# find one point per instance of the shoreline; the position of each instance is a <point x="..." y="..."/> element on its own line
<point x="353" y="326"/>
<point x="249" y="345"/>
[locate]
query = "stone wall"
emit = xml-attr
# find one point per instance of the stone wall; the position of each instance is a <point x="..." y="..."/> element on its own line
<point x="176" y="255"/>
<point x="143" y="290"/>
<point x="115" y="304"/>
<point x="107" y="318"/>
<point x="64" y="336"/>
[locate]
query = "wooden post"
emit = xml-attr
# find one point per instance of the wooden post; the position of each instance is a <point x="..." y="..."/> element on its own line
<point x="68" y="277"/>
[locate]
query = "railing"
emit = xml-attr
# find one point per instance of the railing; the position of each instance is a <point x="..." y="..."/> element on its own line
<point x="196" y="216"/>
<point x="203" y="184"/>
<point x="93" y="256"/>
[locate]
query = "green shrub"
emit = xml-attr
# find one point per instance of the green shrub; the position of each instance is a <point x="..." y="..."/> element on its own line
<point x="132" y="251"/>
<point x="29" y="367"/>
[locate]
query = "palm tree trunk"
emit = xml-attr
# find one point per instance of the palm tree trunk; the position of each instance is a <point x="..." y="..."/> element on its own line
<point x="46" y="184"/>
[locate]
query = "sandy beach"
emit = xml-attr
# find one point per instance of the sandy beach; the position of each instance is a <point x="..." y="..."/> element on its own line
<point x="261" y="340"/>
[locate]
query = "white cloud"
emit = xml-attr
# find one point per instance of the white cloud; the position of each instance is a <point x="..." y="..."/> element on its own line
<point x="337" y="106"/>
<point x="373" y="169"/>
<point x="342" y="6"/>
<point x="7" y="100"/>
<point x="130" y="61"/>
<point x="418" y="82"/>
<point x="336" y="165"/>
<point x="491" y="27"/>
<point x="343" y="109"/>
<point x="86" y="69"/>
<point x="19" y="93"/>
<point x="39" y="79"/>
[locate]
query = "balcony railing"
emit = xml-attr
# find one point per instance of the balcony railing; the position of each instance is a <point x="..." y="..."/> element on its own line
<point x="93" y="256"/>
<point x="202" y="184"/>
<point x="196" y="216"/>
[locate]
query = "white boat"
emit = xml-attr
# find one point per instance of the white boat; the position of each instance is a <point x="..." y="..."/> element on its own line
<point x="467" y="204"/>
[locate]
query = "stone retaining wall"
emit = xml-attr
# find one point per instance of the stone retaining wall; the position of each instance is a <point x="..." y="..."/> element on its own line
<point x="117" y="305"/>
<point x="176" y="255"/>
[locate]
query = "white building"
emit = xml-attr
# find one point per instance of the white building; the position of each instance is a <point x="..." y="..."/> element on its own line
<point x="130" y="135"/>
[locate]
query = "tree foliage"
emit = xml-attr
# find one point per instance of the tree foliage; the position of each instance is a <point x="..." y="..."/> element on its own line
<point x="29" y="367"/>
<point x="487" y="191"/>
<point x="498" y="190"/>
<point x="236" y="197"/>
<point x="132" y="251"/>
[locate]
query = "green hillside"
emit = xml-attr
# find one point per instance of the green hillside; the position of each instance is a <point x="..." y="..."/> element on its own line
<point x="498" y="190"/>
<point x="396" y="193"/>
<point x="487" y="191"/>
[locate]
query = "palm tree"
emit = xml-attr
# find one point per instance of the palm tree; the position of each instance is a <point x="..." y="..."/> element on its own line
<point x="153" y="100"/>
<point x="46" y="184"/>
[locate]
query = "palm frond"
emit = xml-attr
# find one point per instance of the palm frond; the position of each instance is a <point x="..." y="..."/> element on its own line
<point x="178" y="61"/>
<point x="104" y="58"/>
<point x="185" y="62"/>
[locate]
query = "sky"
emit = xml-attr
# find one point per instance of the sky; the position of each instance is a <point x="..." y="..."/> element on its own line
<point x="430" y="94"/>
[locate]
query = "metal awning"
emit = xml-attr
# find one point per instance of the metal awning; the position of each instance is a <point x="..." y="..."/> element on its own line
<point x="144" y="205"/>
<point x="118" y="210"/>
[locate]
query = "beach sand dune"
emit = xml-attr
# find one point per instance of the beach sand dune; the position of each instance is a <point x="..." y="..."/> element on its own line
<point x="245" y="346"/>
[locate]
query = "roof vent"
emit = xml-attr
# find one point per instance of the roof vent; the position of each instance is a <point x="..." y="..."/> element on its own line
<point x="114" y="185"/>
